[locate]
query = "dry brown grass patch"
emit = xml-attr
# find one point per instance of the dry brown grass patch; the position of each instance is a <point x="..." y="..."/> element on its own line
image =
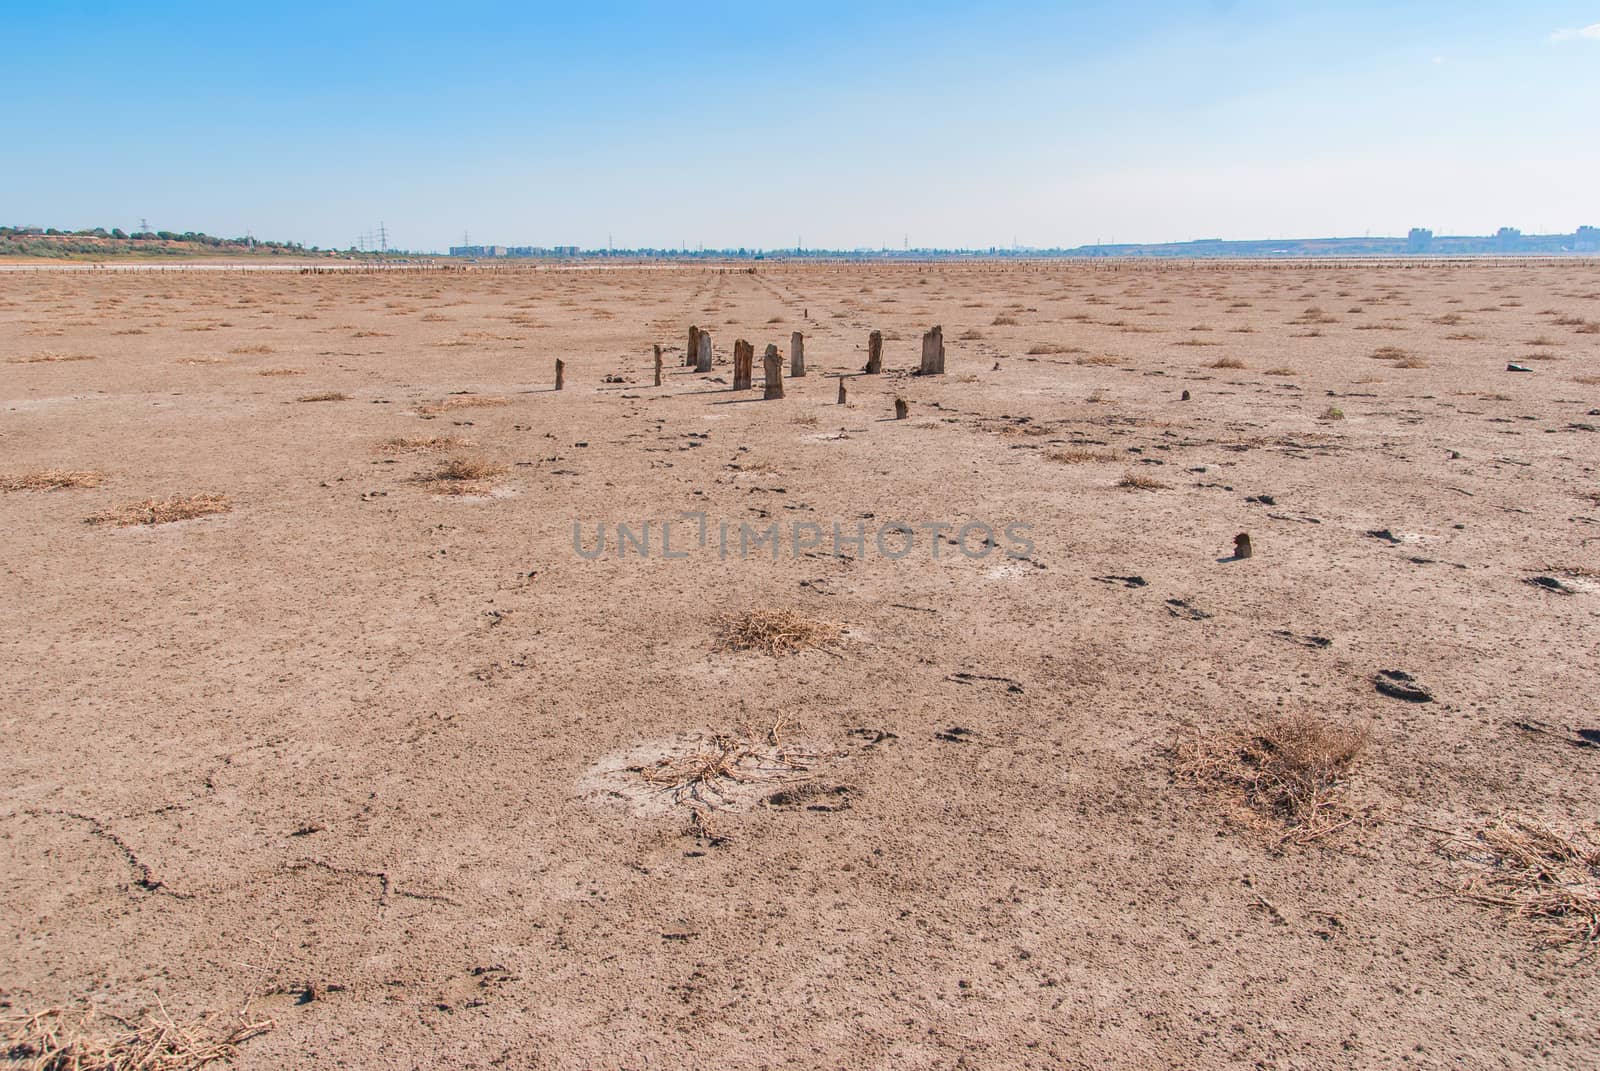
<point x="1043" y="349"/>
<point x="1097" y="360"/>
<point x="1135" y="481"/>
<point x="1280" y="372"/>
<point x="416" y="444"/>
<point x="1537" y="872"/>
<point x="1293" y="771"/>
<point x="465" y="401"/>
<point x="1079" y="455"/>
<point x="53" y="1040"/>
<point x="1410" y="362"/>
<point x="775" y="632"/>
<point x="258" y="348"/>
<point x="50" y="357"/>
<point x="163" y="510"/>
<point x="50" y="480"/>
<point x="325" y="396"/>
<point x="463" y="476"/>
<point x="1226" y="362"/>
<point x="281" y="372"/>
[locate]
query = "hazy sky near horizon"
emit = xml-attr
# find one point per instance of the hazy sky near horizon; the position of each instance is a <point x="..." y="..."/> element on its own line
<point x="833" y="123"/>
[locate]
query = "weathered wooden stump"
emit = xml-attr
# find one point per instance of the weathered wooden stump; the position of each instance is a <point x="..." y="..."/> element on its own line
<point x="901" y="409"/>
<point x="874" y="353"/>
<point x="1185" y="397"/>
<point x="932" y="353"/>
<point x="692" y="354"/>
<point x="1241" y="545"/>
<point x="797" y="354"/>
<point x="561" y="373"/>
<point x="772" y="365"/>
<point x="658" y="364"/>
<point x="744" y="359"/>
<point x="702" y="353"/>
<point x="841" y="390"/>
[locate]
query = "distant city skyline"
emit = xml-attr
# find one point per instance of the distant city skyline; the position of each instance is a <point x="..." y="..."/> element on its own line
<point x="837" y="125"/>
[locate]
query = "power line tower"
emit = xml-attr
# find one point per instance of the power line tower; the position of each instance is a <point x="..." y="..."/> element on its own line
<point x="383" y="237"/>
<point x="144" y="225"/>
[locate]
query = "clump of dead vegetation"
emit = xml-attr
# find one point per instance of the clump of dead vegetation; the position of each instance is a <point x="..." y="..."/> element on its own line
<point x="1097" y="360"/>
<point x="421" y="444"/>
<point x="50" y="480"/>
<point x="49" y="357"/>
<point x="164" y="510"/>
<point x="54" y="1040"/>
<point x="1079" y="455"/>
<point x="464" y="475"/>
<point x="1226" y="362"/>
<point x="1135" y="481"/>
<point x="325" y="396"/>
<point x="1538" y="873"/>
<point x="258" y="348"/>
<point x="703" y="776"/>
<point x="1293" y="772"/>
<point x="281" y="372"/>
<point x="775" y="632"/>
<point x="463" y="401"/>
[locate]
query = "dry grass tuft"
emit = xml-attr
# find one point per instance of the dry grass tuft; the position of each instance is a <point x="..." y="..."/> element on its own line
<point x="464" y="476"/>
<point x="1538" y="873"/>
<point x="1134" y="481"/>
<point x="52" y="1040"/>
<point x="202" y="360"/>
<point x="325" y="396"/>
<point x="1333" y="412"/>
<point x="1280" y="372"/>
<point x="417" y="444"/>
<point x="464" y="401"/>
<point x="1078" y="455"/>
<point x="1226" y="362"/>
<point x="775" y="632"/>
<point x="49" y="480"/>
<point x="281" y="372"/>
<point x="258" y="348"/>
<point x="1293" y="771"/>
<point x="163" y="511"/>
<point x="49" y="357"/>
<point x="1043" y="349"/>
<point x="1587" y="381"/>
<point x="1097" y="360"/>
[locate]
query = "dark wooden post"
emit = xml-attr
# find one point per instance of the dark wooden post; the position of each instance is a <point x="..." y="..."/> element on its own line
<point x="658" y="364"/>
<point x="901" y="409"/>
<point x="692" y="354"/>
<point x="841" y="390"/>
<point x="797" y="354"/>
<point x="561" y="373"/>
<point x="932" y="353"/>
<point x="744" y="359"/>
<point x="702" y="358"/>
<point x="773" y="366"/>
<point x="874" y="353"/>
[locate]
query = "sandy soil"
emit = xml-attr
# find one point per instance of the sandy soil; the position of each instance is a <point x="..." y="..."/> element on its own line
<point x="369" y="756"/>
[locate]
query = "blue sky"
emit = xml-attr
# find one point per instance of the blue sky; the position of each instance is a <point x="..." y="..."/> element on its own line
<point x="835" y="124"/>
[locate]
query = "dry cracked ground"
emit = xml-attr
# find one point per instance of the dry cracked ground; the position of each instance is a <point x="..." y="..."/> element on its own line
<point x="313" y="710"/>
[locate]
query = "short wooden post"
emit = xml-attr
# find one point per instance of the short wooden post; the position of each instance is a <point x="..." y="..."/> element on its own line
<point x="932" y="353"/>
<point x="773" y="366"/>
<point x="561" y="373"/>
<point x="744" y="359"/>
<point x="658" y="364"/>
<point x="1241" y="545"/>
<point x="874" y="353"/>
<point x="702" y="359"/>
<point x="692" y="354"/>
<point x="797" y="354"/>
<point x="901" y="409"/>
<point x="841" y="390"/>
